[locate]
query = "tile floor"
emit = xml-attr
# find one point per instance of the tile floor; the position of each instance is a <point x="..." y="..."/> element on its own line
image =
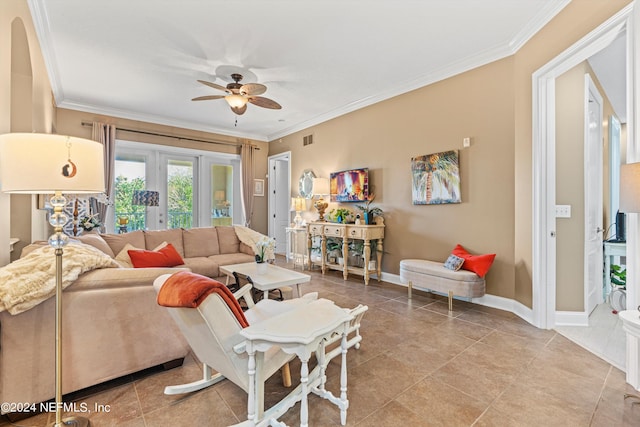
<point x="604" y="336"/>
<point x="418" y="366"/>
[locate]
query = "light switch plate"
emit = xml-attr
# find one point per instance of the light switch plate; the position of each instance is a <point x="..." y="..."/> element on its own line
<point x="563" y="211"/>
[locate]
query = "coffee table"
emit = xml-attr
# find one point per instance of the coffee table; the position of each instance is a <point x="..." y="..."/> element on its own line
<point x="275" y="277"/>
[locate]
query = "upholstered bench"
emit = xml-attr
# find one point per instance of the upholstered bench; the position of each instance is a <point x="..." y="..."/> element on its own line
<point x="435" y="277"/>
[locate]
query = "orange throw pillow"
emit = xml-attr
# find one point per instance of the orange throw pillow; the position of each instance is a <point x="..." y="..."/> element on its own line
<point x="165" y="257"/>
<point x="479" y="264"/>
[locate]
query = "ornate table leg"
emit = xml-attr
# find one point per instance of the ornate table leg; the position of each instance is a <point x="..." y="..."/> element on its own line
<point x="251" y="370"/>
<point x="367" y="256"/>
<point x="379" y="249"/>
<point x="304" y="404"/>
<point x="345" y="257"/>
<point x="343" y="380"/>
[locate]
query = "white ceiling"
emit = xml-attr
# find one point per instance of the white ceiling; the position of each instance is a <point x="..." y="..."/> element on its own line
<point x="319" y="58"/>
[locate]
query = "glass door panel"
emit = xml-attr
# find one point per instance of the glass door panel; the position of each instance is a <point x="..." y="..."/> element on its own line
<point x="130" y="172"/>
<point x="180" y="188"/>
<point x="221" y="195"/>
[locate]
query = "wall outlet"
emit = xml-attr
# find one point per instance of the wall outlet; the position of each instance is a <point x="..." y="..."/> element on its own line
<point x="563" y="211"/>
<point x="466" y="142"/>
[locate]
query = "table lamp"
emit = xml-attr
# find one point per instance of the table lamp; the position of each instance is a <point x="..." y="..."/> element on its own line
<point x="320" y="189"/>
<point x="32" y="163"/>
<point x="298" y="204"/>
<point x="630" y="188"/>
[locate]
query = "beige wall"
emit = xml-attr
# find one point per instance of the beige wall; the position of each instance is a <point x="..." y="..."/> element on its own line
<point x="385" y="136"/>
<point x="575" y="21"/>
<point x="570" y="185"/>
<point x="26" y="104"/>
<point x="492" y="105"/>
<point x="70" y="123"/>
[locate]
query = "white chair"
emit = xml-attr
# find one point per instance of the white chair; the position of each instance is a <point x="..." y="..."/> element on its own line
<point x="213" y="332"/>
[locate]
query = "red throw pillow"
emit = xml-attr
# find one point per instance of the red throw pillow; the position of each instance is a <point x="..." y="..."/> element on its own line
<point x="479" y="264"/>
<point x="165" y="257"/>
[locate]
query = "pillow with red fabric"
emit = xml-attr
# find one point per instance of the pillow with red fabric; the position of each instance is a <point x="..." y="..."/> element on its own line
<point x="167" y="256"/>
<point x="479" y="264"/>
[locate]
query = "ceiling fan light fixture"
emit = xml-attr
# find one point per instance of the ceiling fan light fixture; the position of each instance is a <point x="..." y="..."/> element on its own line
<point x="236" y="101"/>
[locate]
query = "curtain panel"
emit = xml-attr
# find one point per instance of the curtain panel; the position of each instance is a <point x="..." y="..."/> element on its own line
<point x="247" y="156"/>
<point x="106" y="134"/>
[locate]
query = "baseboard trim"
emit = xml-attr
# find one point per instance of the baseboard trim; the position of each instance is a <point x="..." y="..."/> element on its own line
<point x="571" y="318"/>
<point x="487" y="300"/>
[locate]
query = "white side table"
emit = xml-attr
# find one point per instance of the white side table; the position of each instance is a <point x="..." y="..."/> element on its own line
<point x="302" y="332"/>
<point x="631" y="325"/>
<point x="296" y="245"/>
<point x="611" y="249"/>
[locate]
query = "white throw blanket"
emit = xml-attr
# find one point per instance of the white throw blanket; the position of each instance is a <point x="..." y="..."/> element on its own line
<point x="31" y="280"/>
<point x="250" y="237"/>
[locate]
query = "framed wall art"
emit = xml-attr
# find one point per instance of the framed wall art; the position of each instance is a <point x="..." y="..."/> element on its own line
<point x="258" y="187"/>
<point x="435" y="178"/>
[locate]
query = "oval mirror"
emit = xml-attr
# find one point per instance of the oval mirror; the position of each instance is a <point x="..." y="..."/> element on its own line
<point x="305" y="187"/>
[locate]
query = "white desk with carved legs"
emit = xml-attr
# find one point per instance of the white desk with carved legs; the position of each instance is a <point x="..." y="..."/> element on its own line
<point x="302" y="332"/>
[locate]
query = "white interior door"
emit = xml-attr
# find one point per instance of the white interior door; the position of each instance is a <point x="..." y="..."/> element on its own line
<point x="593" y="196"/>
<point x="279" y="199"/>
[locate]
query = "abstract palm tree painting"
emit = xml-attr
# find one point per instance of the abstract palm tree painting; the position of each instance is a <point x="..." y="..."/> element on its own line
<point x="436" y="178"/>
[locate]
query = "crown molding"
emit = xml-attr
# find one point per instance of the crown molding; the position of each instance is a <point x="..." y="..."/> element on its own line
<point x="160" y="120"/>
<point x="545" y="15"/>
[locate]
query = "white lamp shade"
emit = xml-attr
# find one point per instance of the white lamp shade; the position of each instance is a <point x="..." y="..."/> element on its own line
<point x="630" y="187"/>
<point x="320" y="186"/>
<point x="35" y="163"/>
<point x="298" y="204"/>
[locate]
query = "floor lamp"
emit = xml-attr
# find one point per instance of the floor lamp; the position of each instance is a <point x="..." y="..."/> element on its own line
<point x="32" y="163"/>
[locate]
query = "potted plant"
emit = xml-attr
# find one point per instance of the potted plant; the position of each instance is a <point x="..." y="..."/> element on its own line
<point x="368" y="212"/>
<point x="341" y="215"/>
<point x="618" y="295"/>
<point x="265" y="252"/>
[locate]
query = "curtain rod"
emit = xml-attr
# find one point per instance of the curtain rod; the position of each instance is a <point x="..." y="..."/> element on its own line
<point x="146" y="132"/>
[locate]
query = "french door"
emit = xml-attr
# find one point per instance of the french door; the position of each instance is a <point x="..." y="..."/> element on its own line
<point x="196" y="188"/>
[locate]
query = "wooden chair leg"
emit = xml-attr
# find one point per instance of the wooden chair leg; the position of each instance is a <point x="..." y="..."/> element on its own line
<point x="286" y="375"/>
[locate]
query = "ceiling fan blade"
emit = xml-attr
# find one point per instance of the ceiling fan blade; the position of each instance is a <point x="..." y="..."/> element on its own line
<point x="263" y="102"/>
<point x="214" y="85"/>
<point x="208" y="97"/>
<point x="253" y="89"/>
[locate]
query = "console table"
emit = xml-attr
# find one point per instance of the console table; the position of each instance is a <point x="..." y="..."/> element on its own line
<point x="345" y="232"/>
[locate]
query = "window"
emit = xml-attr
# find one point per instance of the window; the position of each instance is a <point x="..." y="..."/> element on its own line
<point x="196" y="188"/>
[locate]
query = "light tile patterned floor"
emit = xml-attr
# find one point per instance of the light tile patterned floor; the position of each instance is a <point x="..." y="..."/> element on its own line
<point x="604" y="336"/>
<point x="418" y="366"/>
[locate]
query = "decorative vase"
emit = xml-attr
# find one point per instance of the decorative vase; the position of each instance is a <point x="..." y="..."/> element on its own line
<point x="366" y="218"/>
<point x="261" y="267"/>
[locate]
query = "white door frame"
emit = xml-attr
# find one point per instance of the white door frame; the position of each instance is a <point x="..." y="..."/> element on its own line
<point x="286" y="156"/>
<point x="592" y="147"/>
<point x="544" y="195"/>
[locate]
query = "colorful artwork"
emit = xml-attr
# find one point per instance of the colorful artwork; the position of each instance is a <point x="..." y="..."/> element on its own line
<point x="349" y="186"/>
<point x="435" y="179"/>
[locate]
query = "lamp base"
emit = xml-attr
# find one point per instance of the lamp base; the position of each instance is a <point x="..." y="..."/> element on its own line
<point x="73" y="422"/>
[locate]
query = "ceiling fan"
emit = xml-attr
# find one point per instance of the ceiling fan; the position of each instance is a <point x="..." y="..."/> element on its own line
<point x="238" y="95"/>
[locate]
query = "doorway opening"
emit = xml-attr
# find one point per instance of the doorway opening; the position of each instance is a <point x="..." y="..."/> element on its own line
<point x="550" y="306"/>
<point x="279" y="199"/>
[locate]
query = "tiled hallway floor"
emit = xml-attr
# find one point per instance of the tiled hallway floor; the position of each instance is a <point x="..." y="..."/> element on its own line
<point x="604" y="336"/>
<point x="418" y="366"/>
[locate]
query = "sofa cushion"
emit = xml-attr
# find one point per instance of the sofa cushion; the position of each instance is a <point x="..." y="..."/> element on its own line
<point x="203" y="266"/>
<point x="200" y="242"/>
<point x="167" y="256"/>
<point x="118" y="241"/>
<point x="228" y="259"/>
<point x="97" y="242"/>
<point x="174" y="236"/>
<point x="229" y="242"/>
